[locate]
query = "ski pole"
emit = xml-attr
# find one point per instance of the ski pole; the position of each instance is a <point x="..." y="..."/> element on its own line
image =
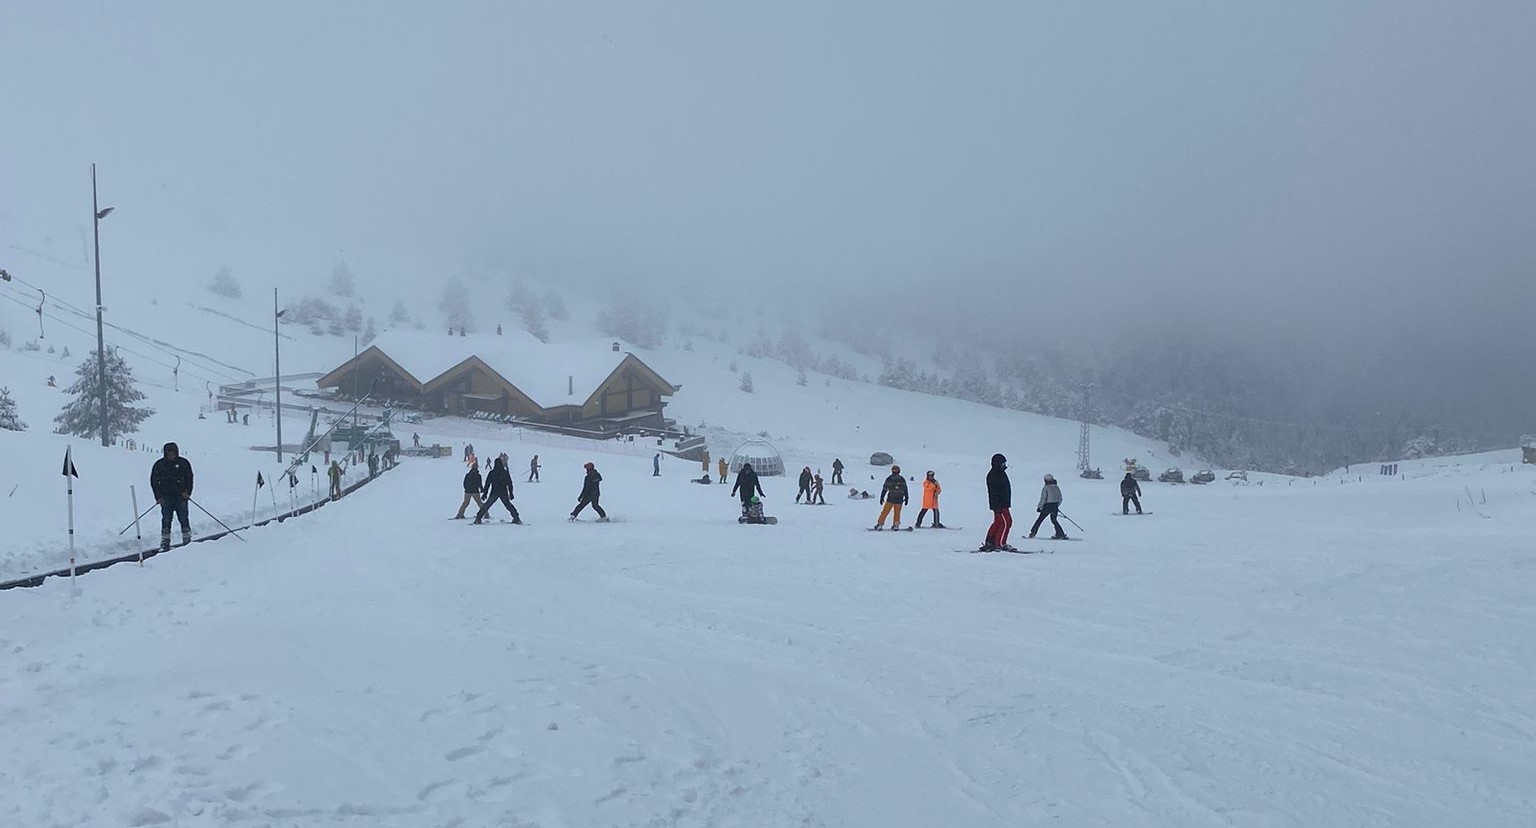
<point x="215" y="520"/>
<point x="137" y="534"/>
<point x="1070" y="520"/>
<point x="140" y="517"/>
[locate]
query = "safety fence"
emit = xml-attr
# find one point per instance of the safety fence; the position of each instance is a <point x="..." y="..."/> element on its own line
<point x="135" y="557"/>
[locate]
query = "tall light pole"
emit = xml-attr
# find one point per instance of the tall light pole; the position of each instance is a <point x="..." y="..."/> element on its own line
<point x="97" y="214"/>
<point x="277" y="366"/>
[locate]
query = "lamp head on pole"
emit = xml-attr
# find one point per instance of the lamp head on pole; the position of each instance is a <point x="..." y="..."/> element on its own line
<point x="104" y="212"/>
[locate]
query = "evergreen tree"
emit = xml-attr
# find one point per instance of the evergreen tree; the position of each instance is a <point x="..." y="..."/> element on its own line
<point x="800" y="378"/>
<point x="554" y="305"/>
<point x="455" y="305"/>
<point x="224" y="284"/>
<point x="369" y="333"/>
<point x="342" y="282"/>
<point x="399" y="315"/>
<point x="9" y="419"/>
<point x="746" y="382"/>
<point x="352" y="320"/>
<point x="533" y="321"/>
<point x="82" y="417"/>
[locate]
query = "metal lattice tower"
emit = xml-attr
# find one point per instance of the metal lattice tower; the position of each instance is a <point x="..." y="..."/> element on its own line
<point x="1082" y="440"/>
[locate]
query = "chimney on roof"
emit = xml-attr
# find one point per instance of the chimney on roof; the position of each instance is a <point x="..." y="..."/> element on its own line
<point x="570" y="384"/>
<point x="615" y="347"/>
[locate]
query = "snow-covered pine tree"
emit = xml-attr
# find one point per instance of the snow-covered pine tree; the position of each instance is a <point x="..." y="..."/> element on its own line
<point x="399" y="315"/>
<point x="9" y="419"/>
<point x="352" y="319"/>
<point x="746" y="382"/>
<point x="342" y="282"/>
<point x="224" y="284"/>
<point x="800" y="378"/>
<point x="82" y="417"/>
<point x="554" y="305"/>
<point x="455" y="305"/>
<point x="369" y="332"/>
<point x="533" y="320"/>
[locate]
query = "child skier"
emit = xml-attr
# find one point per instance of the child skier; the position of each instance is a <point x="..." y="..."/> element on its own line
<point x="931" y="490"/>
<point x="1050" y="504"/>
<point x="894" y="495"/>
<point x="817" y="487"/>
<point x="805" y="486"/>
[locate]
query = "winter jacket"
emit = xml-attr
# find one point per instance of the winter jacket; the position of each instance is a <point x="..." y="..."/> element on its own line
<point x="805" y="479"/>
<point x="931" y="489"/>
<point x="894" y="490"/>
<point x="170" y="478"/>
<point x="837" y="465"/>
<point x="589" y="486"/>
<point x="1129" y="487"/>
<point x="1050" y="495"/>
<point x="498" y="481"/>
<point x="746" y="483"/>
<point x="472" y="481"/>
<point x="999" y="489"/>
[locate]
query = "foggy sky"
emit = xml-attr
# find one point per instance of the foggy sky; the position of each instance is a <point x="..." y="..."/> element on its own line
<point x="1321" y="177"/>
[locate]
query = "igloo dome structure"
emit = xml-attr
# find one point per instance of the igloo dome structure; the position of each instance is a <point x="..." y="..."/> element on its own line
<point x="762" y="455"/>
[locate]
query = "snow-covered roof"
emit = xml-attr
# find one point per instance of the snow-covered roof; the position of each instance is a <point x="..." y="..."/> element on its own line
<point x="546" y="372"/>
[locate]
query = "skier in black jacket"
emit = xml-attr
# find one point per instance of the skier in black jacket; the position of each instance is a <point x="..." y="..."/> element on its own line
<point x="747" y="485"/>
<point x="472" y="487"/>
<point x="498" y="488"/>
<point x="894" y="495"/>
<point x="591" y="493"/>
<point x="999" y="500"/>
<point x="837" y="471"/>
<point x="1130" y="492"/>
<point x="805" y="486"/>
<point x="170" y="479"/>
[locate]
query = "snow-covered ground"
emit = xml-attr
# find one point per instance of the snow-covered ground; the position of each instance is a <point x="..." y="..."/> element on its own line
<point x="1313" y="654"/>
<point x="1347" y="650"/>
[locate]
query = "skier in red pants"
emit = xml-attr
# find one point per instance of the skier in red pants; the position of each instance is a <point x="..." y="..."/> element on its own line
<point x="1000" y="500"/>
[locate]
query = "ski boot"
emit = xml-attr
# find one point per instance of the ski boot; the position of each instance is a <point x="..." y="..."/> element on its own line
<point x="604" y="519"/>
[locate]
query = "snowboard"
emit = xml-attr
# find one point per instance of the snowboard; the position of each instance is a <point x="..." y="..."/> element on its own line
<point x="1132" y="514"/>
<point x="1014" y="551"/>
<point x="490" y="522"/>
<point x="873" y="529"/>
<point x="950" y="528"/>
<point x="768" y="520"/>
<point x="1056" y="539"/>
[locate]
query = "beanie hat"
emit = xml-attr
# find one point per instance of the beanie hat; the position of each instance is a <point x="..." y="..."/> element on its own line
<point x="588" y="466"/>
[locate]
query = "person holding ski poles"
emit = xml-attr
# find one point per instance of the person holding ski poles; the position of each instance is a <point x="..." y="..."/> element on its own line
<point x="1000" y="501"/>
<point x="1050" y="505"/>
<point x="170" y="479"/>
<point x="533" y="469"/>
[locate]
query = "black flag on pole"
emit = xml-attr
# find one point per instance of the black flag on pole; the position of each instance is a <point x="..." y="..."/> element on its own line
<point x="293" y="479"/>
<point x="259" y="481"/>
<point x="69" y="465"/>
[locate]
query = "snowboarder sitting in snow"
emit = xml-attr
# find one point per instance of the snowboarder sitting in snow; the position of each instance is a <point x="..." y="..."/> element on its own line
<point x="498" y="489"/>
<point x="706" y="479"/>
<point x="894" y="495"/>
<point x="1050" y="504"/>
<point x="752" y="511"/>
<point x="1130" y="492"/>
<point x="591" y="493"/>
<point x="472" y="486"/>
<point x="805" y="486"/>
<point x="747" y="486"/>
<point x="931" y="489"/>
<point x="170" y="479"/>
<point x="855" y="494"/>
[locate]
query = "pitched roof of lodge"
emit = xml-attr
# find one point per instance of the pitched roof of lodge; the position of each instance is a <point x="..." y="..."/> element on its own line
<point x="543" y="371"/>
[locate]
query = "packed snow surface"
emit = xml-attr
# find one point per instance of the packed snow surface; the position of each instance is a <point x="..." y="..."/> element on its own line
<point x="1341" y="652"/>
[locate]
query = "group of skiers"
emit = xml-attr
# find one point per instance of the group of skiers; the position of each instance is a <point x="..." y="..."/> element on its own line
<point x="496" y="487"/>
